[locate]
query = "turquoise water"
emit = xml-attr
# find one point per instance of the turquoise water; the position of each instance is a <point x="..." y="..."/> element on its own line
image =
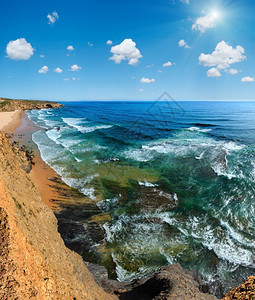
<point x="175" y="180"/>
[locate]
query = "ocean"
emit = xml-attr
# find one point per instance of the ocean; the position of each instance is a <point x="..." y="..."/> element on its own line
<point x="174" y="182"/>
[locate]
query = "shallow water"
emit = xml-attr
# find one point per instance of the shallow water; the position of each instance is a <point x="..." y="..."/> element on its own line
<point x="176" y="181"/>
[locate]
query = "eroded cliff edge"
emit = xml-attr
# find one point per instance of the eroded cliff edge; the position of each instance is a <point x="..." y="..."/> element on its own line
<point x="34" y="262"/>
<point x="7" y="104"/>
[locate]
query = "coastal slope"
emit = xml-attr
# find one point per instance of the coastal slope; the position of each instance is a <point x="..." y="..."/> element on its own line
<point x="7" y="104"/>
<point x="35" y="264"/>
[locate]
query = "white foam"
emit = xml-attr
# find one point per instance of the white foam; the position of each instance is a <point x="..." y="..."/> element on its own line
<point x="78" y="123"/>
<point x="138" y="155"/>
<point x="89" y="192"/>
<point x="74" y="121"/>
<point x="199" y="129"/>
<point x="147" y="184"/>
<point x="200" y="156"/>
<point x="88" y="129"/>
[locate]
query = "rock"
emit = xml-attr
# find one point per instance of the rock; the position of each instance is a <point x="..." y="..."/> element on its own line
<point x="242" y="292"/>
<point x="34" y="262"/>
<point x="171" y="282"/>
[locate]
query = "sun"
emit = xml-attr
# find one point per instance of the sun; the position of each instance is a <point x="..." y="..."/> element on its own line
<point x="215" y="14"/>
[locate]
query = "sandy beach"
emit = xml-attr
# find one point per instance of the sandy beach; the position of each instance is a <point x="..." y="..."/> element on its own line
<point x="17" y="123"/>
<point x="9" y="121"/>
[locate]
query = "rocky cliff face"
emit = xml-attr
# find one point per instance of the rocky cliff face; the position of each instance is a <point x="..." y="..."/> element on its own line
<point x="11" y="105"/>
<point x="245" y="291"/>
<point x="34" y="262"/>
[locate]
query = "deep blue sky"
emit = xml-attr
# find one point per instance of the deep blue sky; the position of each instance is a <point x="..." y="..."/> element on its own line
<point x="156" y="26"/>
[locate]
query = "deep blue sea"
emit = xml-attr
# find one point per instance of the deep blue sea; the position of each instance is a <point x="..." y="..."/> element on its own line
<point x="175" y="181"/>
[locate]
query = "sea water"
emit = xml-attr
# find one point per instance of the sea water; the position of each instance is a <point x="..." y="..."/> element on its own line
<point x="177" y="180"/>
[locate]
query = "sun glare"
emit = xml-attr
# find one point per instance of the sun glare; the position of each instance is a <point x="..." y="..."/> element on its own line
<point x="215" y="14"/>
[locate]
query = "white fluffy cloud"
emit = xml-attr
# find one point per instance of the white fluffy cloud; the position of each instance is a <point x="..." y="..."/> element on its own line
<point x="203" y="23"/>
<point x="42" y="55"/>
<point x="43" y="70"/>
<point x="70" y="48"/>
<point x="19" y="49"/>
<point x="58" y="70"/>
<point x="90" y="44"/>
<point x="147" y="80"/>
<point x="167" y="64"/>
<point x="75" y="68"/>
<point x="248" y="79"/>
<point x="52" y="18"/>
<point x="184" y="44"/>
<point x="109" y="42"/>
<point x="222" y="57"/>
<point x="213" y="72"/>
<point x="233" y="71"/>
<point x="126" y="51"/>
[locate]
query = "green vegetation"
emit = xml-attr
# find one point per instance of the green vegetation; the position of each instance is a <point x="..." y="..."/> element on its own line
<point x="18" y="205"/>
<point x="3" y="102"/>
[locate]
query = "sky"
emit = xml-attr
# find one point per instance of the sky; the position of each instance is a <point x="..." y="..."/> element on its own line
<point x="127" y="50"/>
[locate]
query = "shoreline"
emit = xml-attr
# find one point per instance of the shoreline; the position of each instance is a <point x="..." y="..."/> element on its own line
<point x="40" y="172"/>
<point x="10" y="121"/>
<point x="47" y="181"/>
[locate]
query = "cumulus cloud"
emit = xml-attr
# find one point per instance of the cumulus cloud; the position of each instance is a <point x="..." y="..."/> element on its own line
<point x="52" y="18"/>
<point x="90" y="44"/>
<point x="184" y="44"/>
<point x="203" y="23"/>
<point x="126" y="51"/>
<point x="70" y="48"/>
<point x="42" y="55"/>
<point x="248" y="79"/>
<point x="75" y="68"/>
<point x="19" y="49"/>
<point x="58" y="70"/>
<point x="222" y="57"/>
<point x="167" y="64"/>
<point x="147" y="80"/>
<point x="109" y="42"/>
<point x="43" y="70"/>
<point x="233" y="71"/>
<point x="213" y="72"/>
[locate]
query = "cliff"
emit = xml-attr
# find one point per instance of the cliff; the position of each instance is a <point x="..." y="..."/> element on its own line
<point x="35" y="264"/>
<point x="10" y="105"/>
<point x="243" y="292"/>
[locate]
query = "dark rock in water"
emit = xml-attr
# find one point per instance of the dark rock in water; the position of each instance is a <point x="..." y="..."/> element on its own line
<point x="154" y="199"/>
<point x="222" y="159"/>
<point x="171" y="282"/>
<point x="100" y="273"/>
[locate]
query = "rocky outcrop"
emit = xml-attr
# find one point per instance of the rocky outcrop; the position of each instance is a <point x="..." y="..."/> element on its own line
<point x="34" y="262"/>
<point x="11" y="105"/>
<point x="170" y="283"/>
<point x="245" y="291"/>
